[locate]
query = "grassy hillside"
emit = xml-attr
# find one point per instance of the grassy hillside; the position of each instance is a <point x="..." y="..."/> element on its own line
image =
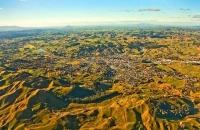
<point x="100" y="78"/>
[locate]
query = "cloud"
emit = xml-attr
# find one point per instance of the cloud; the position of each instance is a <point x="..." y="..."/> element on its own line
<point x="124" y="10"/>
<point x="150" y="9"/>
<point x="184" y="9"/>
<point x="128" y="10"/>
<point x="1" y="8"/>
<point x="196" y="16"/>
<point x="153" y="20"/>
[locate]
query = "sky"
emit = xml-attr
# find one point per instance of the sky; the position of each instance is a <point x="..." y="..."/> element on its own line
<point x="45" y="13"/>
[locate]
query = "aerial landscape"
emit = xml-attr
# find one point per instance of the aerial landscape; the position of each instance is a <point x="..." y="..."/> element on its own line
<point x="99" y="65"/>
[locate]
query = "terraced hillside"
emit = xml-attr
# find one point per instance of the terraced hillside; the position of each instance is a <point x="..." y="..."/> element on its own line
<point x="100" y="78"/>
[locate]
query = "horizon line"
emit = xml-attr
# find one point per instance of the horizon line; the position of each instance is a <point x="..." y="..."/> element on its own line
<point x="107" y="24"/>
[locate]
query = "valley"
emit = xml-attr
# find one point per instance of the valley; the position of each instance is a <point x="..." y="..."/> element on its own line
<point x="102" y="77"/>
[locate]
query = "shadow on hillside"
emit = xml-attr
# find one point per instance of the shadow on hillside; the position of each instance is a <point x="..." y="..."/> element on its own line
<point x="98" y="98"/>
<point x="174" y="108"/>
<point x="2" y="82"/>
<point x="38" y="82"/>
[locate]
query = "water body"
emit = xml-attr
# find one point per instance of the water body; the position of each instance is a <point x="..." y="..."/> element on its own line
<point x="41" y="50"/>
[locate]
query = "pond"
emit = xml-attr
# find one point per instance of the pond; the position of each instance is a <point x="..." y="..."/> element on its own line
<point x="41" y="50"/>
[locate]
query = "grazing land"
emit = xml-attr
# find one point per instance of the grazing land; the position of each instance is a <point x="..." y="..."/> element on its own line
<point x="122" y="77"/>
